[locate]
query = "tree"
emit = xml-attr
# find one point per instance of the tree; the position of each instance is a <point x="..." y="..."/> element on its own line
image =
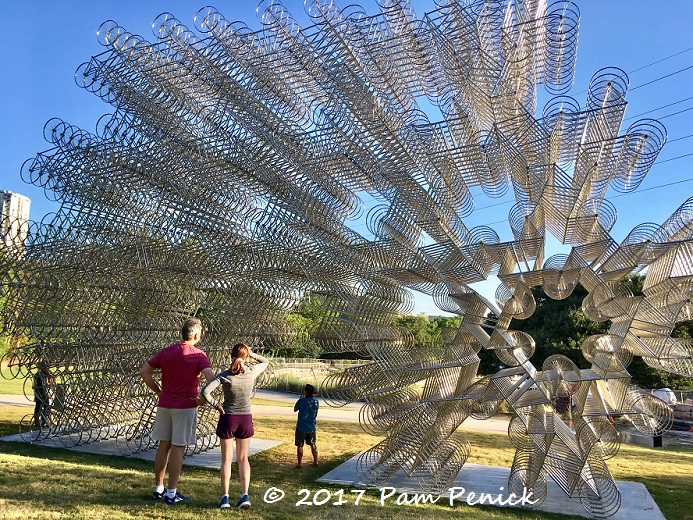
<point x="306" y="321"/>
<point x="643" y="374"/>
<point x="420" y="327"/>
<point x="634" y="283"/>
<point x="446" y="322"/>
<point x="559" y="327"/>
<point x="648" y="377"/>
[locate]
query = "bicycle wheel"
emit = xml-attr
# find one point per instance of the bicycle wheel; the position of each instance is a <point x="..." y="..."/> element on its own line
<point x="28" y="429"/>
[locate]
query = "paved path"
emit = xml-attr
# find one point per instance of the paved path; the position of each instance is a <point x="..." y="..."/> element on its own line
<point x="15" y="400"/>
<point x="347" y="413"/>
<point x="350" y="412"/>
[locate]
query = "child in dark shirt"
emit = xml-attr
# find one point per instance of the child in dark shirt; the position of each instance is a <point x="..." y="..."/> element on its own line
<point x="307" y="408"/>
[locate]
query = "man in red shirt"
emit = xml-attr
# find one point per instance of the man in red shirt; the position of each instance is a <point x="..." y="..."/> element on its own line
<point x="176" y="416"/>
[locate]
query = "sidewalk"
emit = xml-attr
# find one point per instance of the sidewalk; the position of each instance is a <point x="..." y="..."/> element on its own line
<point x="15" y="400"/>
<point x="347" y="413"/>
<point x="350" y="412"/>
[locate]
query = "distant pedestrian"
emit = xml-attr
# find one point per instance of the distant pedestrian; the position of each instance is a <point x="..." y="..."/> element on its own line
<point x="307" y="408"/>
<point x="236" y="419"/>
<point x="175" y="426"/>
<point x="43" y="381"/>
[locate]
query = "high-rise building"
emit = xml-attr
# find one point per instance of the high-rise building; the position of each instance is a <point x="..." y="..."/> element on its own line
<point x="14" y="219"/>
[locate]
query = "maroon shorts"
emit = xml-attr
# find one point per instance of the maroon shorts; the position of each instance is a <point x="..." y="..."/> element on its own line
<point x="232" y="426"/>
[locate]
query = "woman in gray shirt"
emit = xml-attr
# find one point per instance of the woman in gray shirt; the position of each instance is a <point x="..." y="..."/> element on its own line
<point x="235" y="419"/>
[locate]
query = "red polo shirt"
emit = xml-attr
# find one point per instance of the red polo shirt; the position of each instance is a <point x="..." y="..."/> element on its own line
<point x="181" y="365"/>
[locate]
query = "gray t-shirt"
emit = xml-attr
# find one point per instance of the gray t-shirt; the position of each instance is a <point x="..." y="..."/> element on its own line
<point x="238" y="389"/>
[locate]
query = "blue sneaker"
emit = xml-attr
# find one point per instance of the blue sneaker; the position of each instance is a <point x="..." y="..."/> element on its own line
<point x="159" y="496"/>
<point x="224" y="502"/>
<point x="243" y="502"/>
<point x="176" y="499"/>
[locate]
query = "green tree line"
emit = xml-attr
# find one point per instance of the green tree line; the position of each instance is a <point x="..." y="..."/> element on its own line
<point x="557" y="326"/>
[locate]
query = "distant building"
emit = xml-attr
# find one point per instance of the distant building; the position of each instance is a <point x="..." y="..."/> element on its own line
<point x="14" y="219"/>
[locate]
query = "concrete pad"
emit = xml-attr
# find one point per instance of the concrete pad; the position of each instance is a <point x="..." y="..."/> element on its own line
<point x="636" y="501"/>
<point x="208" y="459"/>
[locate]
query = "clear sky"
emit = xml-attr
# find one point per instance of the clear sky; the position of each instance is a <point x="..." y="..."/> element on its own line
<point x="43" y="42"/>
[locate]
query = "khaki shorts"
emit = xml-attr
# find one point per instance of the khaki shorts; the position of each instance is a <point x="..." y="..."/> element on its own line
<point x="177" y="425"/>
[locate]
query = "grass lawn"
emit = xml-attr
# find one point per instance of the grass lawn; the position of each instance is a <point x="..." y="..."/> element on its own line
<point x="270" y="402"/>
<point x="10" y="386"/>
<point x="37" y="482"/>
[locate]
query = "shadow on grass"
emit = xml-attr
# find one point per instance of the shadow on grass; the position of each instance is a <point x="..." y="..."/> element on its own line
<point x="41" y="482"/>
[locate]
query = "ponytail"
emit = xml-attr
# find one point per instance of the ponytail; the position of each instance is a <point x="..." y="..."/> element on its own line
<point x="236" y="367"/>
<point x="239" y="353"/>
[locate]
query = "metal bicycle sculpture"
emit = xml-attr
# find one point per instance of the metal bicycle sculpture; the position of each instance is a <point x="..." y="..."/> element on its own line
<point x="229" y="183"/>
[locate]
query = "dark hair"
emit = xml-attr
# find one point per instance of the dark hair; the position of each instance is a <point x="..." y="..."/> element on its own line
<point x="310" y="389"/>
<point x="190" y="328"/>
<point x="239" y="353"/>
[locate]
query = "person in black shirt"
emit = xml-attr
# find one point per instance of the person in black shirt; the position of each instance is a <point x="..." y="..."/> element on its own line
<point x="42" y="383"/>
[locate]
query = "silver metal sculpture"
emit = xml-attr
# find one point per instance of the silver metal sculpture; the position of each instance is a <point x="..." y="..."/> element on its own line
<point x="229" y="182"/>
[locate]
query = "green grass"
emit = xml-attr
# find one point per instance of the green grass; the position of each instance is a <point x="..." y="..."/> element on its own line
<point x="38" y="482"/>
<point x="4" y="340"/>
<point x="10" y="417"/>
<point x="271" y="402"/>
<point x="10" y="386"/>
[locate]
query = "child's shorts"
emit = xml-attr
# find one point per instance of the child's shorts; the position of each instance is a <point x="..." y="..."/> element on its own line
<point x="301" y="437"/>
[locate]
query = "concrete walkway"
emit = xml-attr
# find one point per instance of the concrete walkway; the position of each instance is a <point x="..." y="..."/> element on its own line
<point x="350" y="412"/>
<point x="475" y="479"/>
<point x="347" y="413"/>
<point x="15" y="400"/>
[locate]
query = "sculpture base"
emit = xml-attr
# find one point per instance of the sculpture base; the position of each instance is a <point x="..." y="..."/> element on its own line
<point x="636" y="501"/>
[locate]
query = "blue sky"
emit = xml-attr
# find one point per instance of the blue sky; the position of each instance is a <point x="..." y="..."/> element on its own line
<point x="43" y="42"/>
